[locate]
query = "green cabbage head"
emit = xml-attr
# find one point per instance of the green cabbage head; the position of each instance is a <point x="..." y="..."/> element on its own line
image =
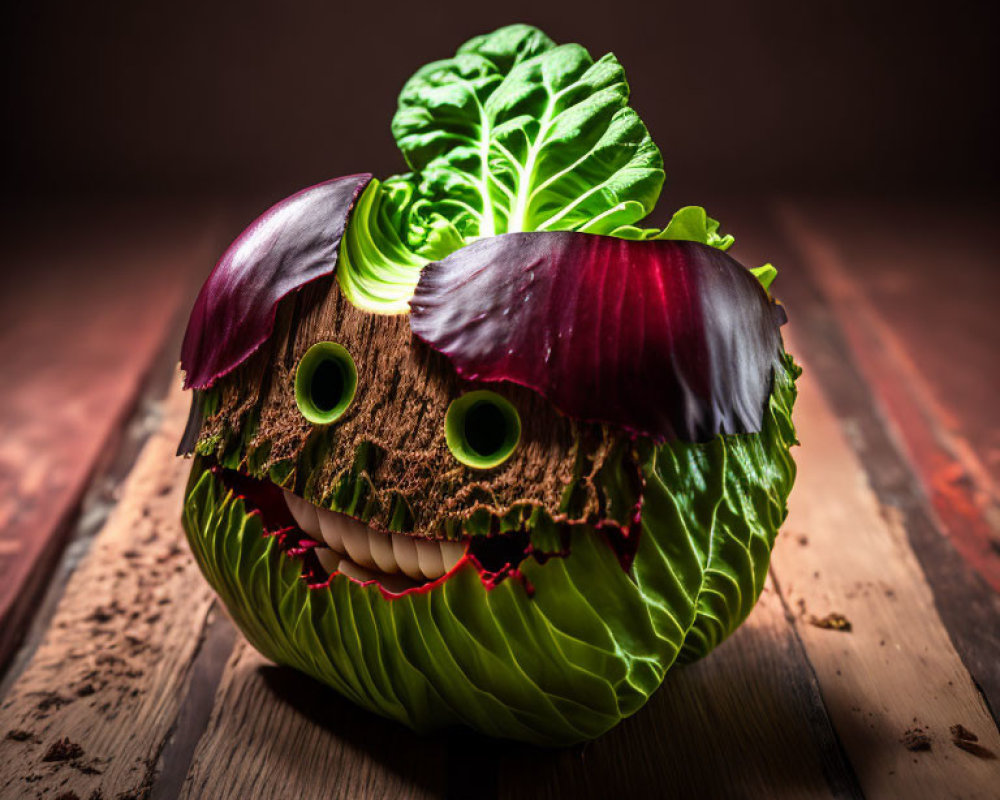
<point x="471" y="444"/>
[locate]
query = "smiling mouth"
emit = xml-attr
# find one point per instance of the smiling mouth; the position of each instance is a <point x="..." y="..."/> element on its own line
<point x="396" y="561"/>
<point x="331" y="544"/>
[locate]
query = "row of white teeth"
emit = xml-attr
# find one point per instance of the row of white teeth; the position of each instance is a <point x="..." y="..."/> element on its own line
<point x="397" y="561"/>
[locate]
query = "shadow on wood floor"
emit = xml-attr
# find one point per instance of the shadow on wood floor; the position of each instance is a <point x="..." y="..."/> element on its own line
<point x="708" y="732"/>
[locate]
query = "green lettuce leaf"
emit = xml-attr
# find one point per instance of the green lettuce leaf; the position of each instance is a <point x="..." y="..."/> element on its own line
<point x="765" y="274"/>
<point x="691" y="224"/>
<point x="376" y="270"/>
<point x="735" y="491"/>
<point x="515" y="133"/>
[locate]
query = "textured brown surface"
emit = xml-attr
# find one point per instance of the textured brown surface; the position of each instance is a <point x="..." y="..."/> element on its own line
<point x="404" y="389"/>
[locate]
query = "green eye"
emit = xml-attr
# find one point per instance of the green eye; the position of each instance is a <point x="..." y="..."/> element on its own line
<point x="325" y="382"/>
<point x="482" y="429"/>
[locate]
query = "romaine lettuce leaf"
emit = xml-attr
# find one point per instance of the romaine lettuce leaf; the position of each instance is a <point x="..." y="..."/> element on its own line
<point x="515" y="133"/>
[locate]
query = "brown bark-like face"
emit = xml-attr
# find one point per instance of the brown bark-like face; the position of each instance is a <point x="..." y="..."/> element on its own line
<point x="391" y="440"/>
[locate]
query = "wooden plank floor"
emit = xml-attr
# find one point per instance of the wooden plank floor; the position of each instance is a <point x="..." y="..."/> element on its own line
<point x="84" y="316"/>
<point x="141" y="688"/>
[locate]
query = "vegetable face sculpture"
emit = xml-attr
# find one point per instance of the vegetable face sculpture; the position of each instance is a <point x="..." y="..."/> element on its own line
<point x="470" y="446"/>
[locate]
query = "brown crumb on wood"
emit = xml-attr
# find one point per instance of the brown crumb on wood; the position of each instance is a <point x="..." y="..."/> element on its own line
<point x="102" y="614"/>
<point x="85" y="768"/>
<point x="963" y="733"/>
<point x="966" y="740"/>
<point x="915" y="739"/>
<point x="18" y="735"/>
<point x="63" y="750"/>
<point x="833" y="622"/>
<point x="976" y="749"/>
<point x="52" y="700"/>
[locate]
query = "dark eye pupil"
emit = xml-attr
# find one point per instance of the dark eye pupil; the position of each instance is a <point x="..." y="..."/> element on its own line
<point x="327" y="387"/>
<point x="485" y="429"/>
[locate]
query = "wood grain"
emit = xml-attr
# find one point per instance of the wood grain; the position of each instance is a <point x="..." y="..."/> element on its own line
<point x="895" y="671"/>
<point x="84" y="315"/>
<point x="931" y="278"/>
<point x="746" y="721"/>
<point x="922" y="362"/>
<point x="111" y="673"/>
<point x="968" y="606"/>
<point x="277" y="733"/>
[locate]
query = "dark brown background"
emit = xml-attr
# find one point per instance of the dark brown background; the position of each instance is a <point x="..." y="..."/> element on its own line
<point x="228" y="97"/>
